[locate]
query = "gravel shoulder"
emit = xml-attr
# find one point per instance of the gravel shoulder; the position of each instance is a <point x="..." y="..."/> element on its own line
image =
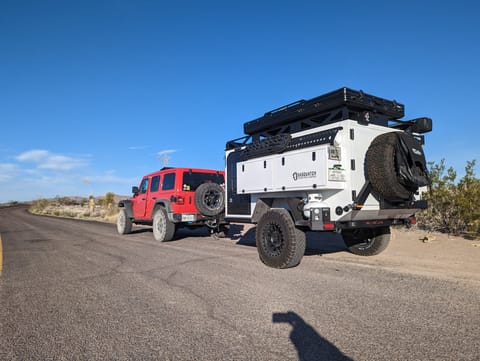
<point x="410" y="251"/>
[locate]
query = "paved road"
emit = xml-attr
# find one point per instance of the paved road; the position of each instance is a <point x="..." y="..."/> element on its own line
<point x="76" y="290"/>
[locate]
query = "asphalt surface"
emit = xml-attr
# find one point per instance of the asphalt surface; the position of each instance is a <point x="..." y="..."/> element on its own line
<point x="76" y="290"/>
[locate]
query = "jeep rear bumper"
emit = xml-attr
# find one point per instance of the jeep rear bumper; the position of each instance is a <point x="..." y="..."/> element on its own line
<point x="184" y="217"/>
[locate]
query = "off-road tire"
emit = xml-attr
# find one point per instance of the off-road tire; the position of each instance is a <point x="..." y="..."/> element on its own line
<point x="279" y="243"/>
<point x="382" y="169"/>
<point x="124" y="223"/>
<point x="367" y="242"/>
<point x="210" y="199"/>
<point x="163" y="228"/>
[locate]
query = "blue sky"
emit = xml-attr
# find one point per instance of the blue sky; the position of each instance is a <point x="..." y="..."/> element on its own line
<point x="91" y="92"/>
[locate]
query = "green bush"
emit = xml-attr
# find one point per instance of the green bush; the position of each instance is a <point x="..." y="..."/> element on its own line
<point x="454" y="207"/>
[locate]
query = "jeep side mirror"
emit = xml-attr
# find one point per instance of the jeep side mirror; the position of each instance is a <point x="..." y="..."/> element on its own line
<point x="421" y="125"/>
<point x="135" y="190"/>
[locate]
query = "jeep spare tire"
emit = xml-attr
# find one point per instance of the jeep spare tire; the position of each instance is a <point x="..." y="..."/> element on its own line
<point x="396" y="166"/>
<point x="210" y="199"/>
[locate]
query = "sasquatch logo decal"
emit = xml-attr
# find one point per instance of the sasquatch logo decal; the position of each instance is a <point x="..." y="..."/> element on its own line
<point x="304" y="175"/>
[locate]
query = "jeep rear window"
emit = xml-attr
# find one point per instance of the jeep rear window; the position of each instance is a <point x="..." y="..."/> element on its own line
<point x="191" y="180"/>
<point x="168" y="181"/>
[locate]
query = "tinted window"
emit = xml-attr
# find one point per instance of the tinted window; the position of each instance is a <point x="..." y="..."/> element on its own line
<point x="191" y="180"/>
<point x="155" y="183"/>
<point x="168" y="181"/>
<point x="144" y="186"/>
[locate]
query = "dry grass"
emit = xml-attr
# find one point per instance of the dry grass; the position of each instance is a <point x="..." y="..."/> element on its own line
<point x="75" y="208"/>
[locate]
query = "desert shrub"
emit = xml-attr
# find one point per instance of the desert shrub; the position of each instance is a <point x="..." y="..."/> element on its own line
<point x="109" y="199"/>
<point x="454" y="207"/>
<point x="76" y="207"/>
<point x="39" y="205"/>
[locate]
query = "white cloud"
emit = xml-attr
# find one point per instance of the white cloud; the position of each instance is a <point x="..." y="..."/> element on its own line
<point x="33" y="156"/>
<point x="51" y="161"/>
<point x="7" y="171"/>
<point x="164" y="152"/>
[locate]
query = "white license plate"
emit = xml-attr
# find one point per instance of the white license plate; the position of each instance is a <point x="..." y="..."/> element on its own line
<point x="188" y="217"/>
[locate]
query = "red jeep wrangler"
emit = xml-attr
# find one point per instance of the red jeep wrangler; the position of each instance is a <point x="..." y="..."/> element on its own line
<point x="173" y="198"/>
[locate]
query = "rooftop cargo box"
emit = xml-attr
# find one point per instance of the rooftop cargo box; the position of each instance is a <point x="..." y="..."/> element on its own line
<point x="340" y="104"/>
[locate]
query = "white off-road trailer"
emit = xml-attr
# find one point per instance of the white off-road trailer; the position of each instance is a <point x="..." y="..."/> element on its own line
<point x="341" y="162"/>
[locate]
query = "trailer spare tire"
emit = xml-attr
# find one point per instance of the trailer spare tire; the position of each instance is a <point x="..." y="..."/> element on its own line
<point x="210" y="199"/>
<point x="396" y="166"/>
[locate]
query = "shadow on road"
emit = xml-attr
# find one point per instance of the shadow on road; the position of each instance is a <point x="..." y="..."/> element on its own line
<point x="309" y="344"/>
<point x="141" y="230"/>
<point x="318" y="243"/>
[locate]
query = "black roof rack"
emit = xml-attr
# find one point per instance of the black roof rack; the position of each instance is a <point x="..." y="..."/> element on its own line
<point x="340" y="104"/>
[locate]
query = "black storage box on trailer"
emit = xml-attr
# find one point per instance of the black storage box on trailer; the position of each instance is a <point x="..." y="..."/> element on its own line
<point x="340" y="104"/>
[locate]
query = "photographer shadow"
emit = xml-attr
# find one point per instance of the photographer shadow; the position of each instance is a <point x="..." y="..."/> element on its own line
<point x="309" y="344"/>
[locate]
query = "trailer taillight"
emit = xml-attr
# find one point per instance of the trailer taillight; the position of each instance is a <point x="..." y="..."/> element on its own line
<point x="329" y="226"/>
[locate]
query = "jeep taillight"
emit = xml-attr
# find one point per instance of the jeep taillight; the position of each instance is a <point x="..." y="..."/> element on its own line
<point x="177" y="199"/>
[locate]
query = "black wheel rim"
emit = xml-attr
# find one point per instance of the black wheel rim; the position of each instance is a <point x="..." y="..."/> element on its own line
<point x="273" y="240"/>
<point x="212" y="199"/>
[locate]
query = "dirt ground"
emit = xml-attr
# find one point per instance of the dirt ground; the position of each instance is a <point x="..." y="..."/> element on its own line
<point x="434" y="254"/>
<point x="410" y="251"/>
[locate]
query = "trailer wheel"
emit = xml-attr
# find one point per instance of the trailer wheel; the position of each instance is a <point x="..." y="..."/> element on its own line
<point x="367" y="242"/>
<point x="381" y="164"/>
<point x="279" y="243"/>
<point x="210" y="199"/>
<point x="163" y="229"/>
<point x="124" y="223"/>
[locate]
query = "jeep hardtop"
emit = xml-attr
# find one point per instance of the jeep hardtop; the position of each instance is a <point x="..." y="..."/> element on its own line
<point x="342" y="162"/>
<point x="173" y="198"/>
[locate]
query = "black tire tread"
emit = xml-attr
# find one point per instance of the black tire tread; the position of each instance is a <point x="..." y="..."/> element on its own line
<point x="381" y="168"/>
<point x="160" y="214"/>
<point x="125" y="228"/>
<point x="295" y="240"/>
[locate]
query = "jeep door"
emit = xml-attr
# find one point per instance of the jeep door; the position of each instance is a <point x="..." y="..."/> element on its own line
<point x="153" y="195"/>
<point x="167" y="191"/>
<point x="140" y="200"/>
